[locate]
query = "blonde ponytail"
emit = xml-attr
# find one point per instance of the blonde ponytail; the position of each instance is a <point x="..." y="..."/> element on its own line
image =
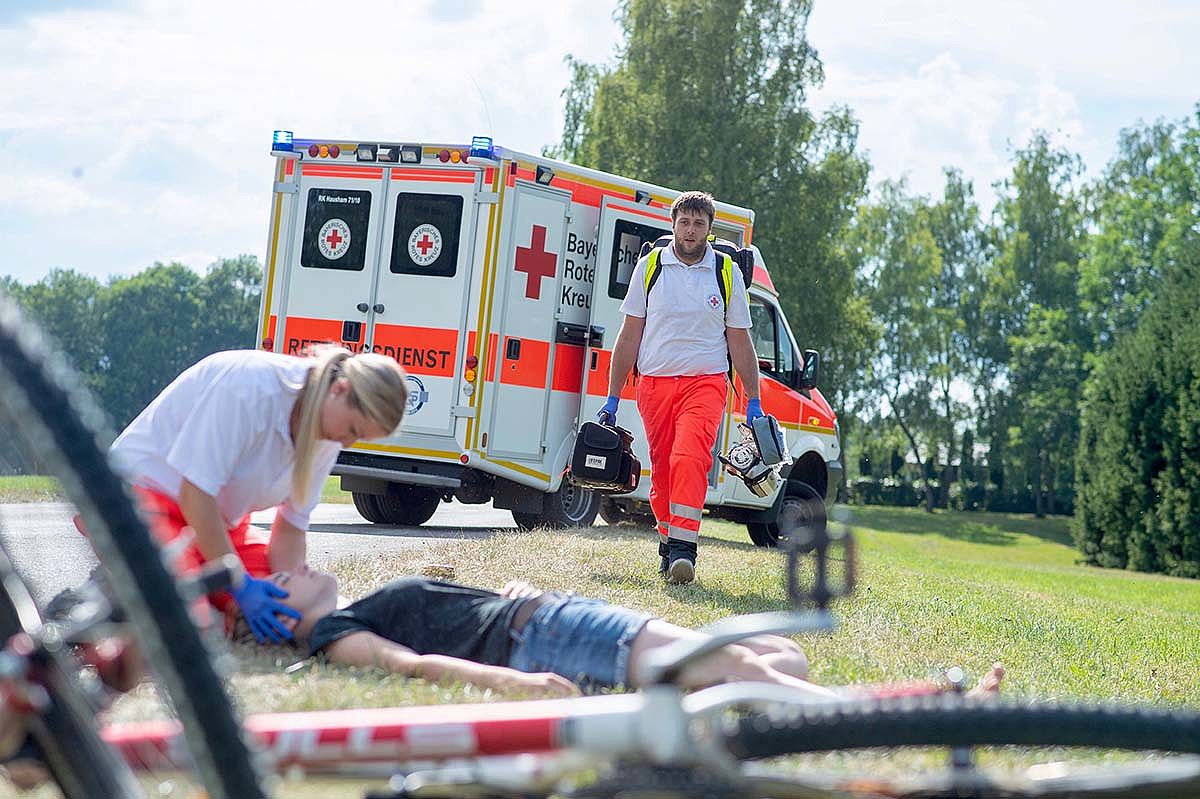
<point x="378" y="388"/>
<point x="328" y="367"/>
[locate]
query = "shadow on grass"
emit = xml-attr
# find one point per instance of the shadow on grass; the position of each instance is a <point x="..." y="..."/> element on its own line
<point x="996" y="529"/>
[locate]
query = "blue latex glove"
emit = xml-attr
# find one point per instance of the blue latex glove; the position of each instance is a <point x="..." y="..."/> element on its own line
<point x="256" y="599"/>
<point x="608" y="413"/>
<point x="753" y="410"/>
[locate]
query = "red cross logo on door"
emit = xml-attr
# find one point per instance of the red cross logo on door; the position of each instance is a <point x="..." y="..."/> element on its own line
<point x="536" y="263"/>
<point x="424" y="244"/>
<point x="334" y="239"/>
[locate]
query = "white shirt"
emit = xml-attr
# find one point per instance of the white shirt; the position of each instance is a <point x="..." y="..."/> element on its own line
<point x="223" y="425"/>
<point x="685" y="320"/>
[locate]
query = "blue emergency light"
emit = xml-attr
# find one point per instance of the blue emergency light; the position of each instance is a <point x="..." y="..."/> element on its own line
<point x="481" y="147"/>
<point x="281" y="141"/>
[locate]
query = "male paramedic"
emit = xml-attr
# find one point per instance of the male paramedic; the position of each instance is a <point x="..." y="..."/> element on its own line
<point x="687" y="318"/>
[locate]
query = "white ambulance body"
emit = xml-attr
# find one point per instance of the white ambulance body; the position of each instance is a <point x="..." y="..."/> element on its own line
<point x="495" y="278"/>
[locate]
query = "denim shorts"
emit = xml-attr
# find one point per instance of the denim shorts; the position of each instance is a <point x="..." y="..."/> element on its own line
<point x="585" y="640"/>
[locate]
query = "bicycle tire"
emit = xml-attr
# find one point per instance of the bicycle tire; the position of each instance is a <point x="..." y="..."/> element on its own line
<point x="63" y="424"/>
<point x="64" y="734"/>
<point x="949" y="720"/>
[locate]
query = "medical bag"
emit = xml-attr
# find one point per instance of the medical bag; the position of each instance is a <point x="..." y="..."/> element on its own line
<point x="603" y="459"/>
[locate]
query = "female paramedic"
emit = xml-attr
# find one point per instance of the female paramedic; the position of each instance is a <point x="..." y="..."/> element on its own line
<point x="246" y="430"/>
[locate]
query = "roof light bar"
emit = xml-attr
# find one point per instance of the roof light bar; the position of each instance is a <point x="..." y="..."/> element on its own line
<point x="482" y="147"/>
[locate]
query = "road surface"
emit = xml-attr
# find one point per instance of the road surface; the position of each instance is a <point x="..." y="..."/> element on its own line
<point x="52" y="555"/>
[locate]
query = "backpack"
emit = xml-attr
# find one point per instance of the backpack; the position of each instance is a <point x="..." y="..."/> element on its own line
<point x="728" y="255"/>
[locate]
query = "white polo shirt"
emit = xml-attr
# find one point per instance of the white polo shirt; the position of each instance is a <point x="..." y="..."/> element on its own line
<point x="686" y="319"/>
<point x="223" y="425"/>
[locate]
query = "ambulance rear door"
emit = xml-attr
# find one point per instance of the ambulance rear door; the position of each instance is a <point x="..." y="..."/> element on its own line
<point x="624" y="227"/>
<point x="420" y="302"/>
<point x="331" y="257"/>
<point x="529" y="284"/>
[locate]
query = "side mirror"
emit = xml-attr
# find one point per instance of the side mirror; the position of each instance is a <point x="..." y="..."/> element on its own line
<point x="811" y="374"/>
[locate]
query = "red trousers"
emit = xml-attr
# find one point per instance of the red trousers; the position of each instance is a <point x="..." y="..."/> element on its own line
<point x="681" y="416"/>
<point x="167" y="523"/>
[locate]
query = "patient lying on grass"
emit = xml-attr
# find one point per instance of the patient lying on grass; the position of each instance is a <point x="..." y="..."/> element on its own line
<point x="520" y="638"/>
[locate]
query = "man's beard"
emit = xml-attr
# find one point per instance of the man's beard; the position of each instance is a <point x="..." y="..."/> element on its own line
<point x="693" y="254"/>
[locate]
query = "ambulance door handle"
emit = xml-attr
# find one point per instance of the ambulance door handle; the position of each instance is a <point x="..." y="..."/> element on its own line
<point x="378" y="307"/>
<point x="363" y="307"/>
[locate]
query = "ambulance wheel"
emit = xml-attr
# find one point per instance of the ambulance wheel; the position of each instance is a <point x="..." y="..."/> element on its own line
<point x="412" y="507"/>
<point x="613" y="512"/>
<point x="366" y="507"/>
<point x="569" y="506"/>
<point x="808" y="507"/>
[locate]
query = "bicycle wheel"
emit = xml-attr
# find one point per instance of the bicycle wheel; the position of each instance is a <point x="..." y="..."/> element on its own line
<point x="949" y="720"/>
<point x="57" y="420"/>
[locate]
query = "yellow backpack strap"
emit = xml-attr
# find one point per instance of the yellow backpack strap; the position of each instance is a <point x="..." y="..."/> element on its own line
<point x="652" y="269"/>
<point x="725" y="278"/>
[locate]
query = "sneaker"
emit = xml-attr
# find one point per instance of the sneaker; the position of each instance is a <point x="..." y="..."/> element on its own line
<point x="681" y="571"/>
<point x="663" y="555"/>
<point x="681" y="556"/>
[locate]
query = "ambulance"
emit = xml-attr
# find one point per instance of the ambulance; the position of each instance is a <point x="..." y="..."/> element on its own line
<point x="495" y="278"/>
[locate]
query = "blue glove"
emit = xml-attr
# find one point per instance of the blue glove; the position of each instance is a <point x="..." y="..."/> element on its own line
<point x="753" y="410"/>
<point x="608" y="413"/>
<point x="256" y="599"/>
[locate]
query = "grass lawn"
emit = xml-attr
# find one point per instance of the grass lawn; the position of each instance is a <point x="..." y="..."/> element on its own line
<point x="26" y="488"/>
<point x="933" y="591"/>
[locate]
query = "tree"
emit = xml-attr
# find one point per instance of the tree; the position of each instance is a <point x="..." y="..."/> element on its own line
<point x="900" y="261"/>
<point x="230" y="296"/>
<point x="711" y="94"/>
<point x="1138" y="466"/>
<point x="1031" y="296"/>
<point x="150" y="323"/>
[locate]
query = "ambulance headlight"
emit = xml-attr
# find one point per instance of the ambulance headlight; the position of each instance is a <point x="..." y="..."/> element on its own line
<point x="281" y="141"/>
<point x="482" y="147"/>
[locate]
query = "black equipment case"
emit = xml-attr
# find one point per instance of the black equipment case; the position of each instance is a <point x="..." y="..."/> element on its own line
<point x="603" y="459"/>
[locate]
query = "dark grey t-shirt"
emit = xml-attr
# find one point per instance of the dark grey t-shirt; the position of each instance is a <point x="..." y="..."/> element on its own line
<point x="430" y="617"/>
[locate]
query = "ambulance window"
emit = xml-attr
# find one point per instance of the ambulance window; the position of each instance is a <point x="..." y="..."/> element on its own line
<point x="771" y="341"/>
<point x="425" y="238"/>
<point x="335" y="229"/>
<point x="731" y="233"/>
<point x="628" y="238"/>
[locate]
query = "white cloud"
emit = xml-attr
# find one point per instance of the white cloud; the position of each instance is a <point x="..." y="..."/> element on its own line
<point x="963" y="84"/>
<point x="166" y="109"/>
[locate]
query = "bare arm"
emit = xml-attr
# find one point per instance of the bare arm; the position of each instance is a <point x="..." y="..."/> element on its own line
<point x="745" y="360"/>
<point x="371" y="651"/>
<point x="288" y="548"/>
<point x="625" y="352"/>
<point x="202" y="513"/>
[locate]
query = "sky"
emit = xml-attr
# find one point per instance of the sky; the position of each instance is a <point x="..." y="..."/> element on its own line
<point x="135" y="131"/>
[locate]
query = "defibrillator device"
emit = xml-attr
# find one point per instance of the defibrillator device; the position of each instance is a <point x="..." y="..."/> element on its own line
<point x="758" y="456"/>
<point x="603" y="459"/>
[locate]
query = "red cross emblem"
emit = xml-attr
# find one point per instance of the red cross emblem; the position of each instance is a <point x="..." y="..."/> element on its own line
<point x="334" y="239"/>
<point x="536" y="263"/>
<point x="424" y="244"/>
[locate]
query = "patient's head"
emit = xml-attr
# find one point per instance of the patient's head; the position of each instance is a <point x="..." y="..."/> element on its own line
<point x="313" y="593"/>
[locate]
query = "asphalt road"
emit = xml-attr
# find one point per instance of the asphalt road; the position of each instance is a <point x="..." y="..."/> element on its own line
<point x="52" y="555"/>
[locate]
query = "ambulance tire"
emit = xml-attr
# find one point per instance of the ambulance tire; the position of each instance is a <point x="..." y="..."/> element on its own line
<point x="569" y="506"/>
<point x="812" y="511"/>
<point x="366" y="507"/>
<point x="411" y="507"/>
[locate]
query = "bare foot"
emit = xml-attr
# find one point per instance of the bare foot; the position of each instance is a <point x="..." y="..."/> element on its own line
<point x="989" y="684"/>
